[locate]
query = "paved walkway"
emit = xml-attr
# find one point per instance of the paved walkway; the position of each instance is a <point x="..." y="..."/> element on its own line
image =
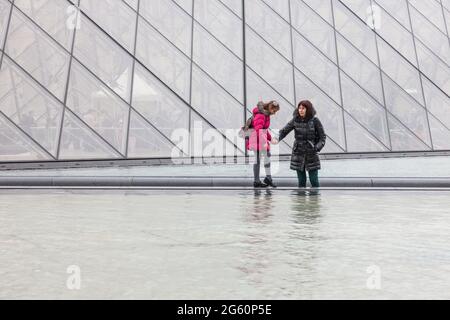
<point x="427" y="172"/>
<point x="418" y="167"/>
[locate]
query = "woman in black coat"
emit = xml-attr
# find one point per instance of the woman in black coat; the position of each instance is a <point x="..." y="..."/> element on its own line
<point x="309" y="141"/>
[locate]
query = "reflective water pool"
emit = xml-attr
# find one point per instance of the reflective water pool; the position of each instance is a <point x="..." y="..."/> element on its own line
<point x="224" y="245"/>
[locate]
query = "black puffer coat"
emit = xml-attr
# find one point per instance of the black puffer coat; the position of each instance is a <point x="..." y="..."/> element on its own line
<point x="310" y="139"/>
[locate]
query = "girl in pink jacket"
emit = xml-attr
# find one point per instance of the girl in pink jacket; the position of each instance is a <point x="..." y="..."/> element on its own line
<point x="260" y="140"/>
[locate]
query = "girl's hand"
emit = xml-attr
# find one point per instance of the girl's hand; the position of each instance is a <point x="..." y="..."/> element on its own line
<point x="274" y="141"/>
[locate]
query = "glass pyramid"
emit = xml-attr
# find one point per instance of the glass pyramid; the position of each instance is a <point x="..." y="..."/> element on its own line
<point x="136" y="77"/>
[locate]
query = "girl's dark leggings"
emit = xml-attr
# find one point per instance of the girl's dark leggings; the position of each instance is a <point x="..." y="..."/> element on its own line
<point x="313" y="178"/>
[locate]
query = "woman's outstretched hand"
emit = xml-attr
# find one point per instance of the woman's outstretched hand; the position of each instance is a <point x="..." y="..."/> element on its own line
<point x="274" y="141"/>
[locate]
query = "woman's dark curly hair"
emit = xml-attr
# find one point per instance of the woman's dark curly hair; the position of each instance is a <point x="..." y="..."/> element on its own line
<point x="310" y="110"/>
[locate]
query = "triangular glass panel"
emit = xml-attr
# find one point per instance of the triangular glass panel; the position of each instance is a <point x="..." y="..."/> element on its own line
<point x="98" y="107"/>
<point x="440" y="134"/>
<point x="146" y="142"/>
<point x="227" y="115"/>
<point x="365" y="109"/>
<point x="404" y="139"/>
<point x="78" y="142"/>
<point x="323" y="8"/>
<point x="158" y="104"/>
<point x="407" y="110"/>
<point x="328" y="111"/>
<point x="16" y="146"/>
<point x="331" y="147"/>
<point x="5" y="8"/>
<point x="280" y="6"/>
<point x="31" y="108"/>
<point x="205" y="141"/>
<point x="359" y="139"/>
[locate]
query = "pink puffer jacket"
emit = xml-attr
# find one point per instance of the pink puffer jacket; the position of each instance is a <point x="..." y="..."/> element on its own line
<point x="260" y="136"/>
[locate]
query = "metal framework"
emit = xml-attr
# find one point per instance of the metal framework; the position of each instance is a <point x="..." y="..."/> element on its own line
<point x="140" y="18"/>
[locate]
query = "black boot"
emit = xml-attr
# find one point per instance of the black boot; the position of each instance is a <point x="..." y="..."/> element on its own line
<point x="269" y="182"/>
<point x="259" y="184"/>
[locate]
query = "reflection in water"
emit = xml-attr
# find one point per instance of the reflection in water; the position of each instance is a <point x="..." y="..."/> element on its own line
<point x="306" y="206"/>
<point x="303" y="240"/>
<point x="261" y="209"/>
<point x="268" y="244"/>
<point x="256" y="255"/>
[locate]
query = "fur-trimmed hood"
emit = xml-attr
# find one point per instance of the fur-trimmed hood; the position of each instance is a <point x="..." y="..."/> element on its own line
<point x="260" y="109"/>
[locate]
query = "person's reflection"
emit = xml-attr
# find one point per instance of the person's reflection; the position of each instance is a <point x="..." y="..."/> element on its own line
<point x="261" y="209"/>
<point x="258" y="244"/>
<point x="306" y="206"/>
<point x="303" y="240"/>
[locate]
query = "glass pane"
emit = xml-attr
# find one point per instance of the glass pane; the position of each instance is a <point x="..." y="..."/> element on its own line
<point x="186" y="5"/>
<point x="132" y="3"/>
<point x="359" y="139"/>
<point x="314" y="28"/>
<point x="30" y="107"/>
<point x="217" y="106"/>
<point x="446" y="3"/>
<point x="365" y="110"/>
<point x="440" y="134"/>
<point x="270" y="26"/>
<point x="434" y="68"/>
<point x="316" y="67"/>
<point x="115" y="17"/>
<point x="399" y="37"/>
<point x="447" y="20"/>
<point x="98" y="107"/>
<point x="398" y="9"/>
<point x="208" y="142"/>
<point x="53" y="16"/>
<point x="361" y="8"/>
<point x="280" y="6"/>
<point x="431" y="36"/>
<point x="407" y="110"/>
<point x="322" y="7"/>
<point x="234" y="5"/>
<point x="402" y="138"/>
<point x="146" y="142"/>
<point x="360" y="69"/>
<point x="103" y="57"/>
<point x="34" y="51"/>
<point x="221" y="23"/>
<point x="169" y="19"/>
<point x="79" y="142"/>
<point x="357" y="32"/>
<point x="332" y="147"/>
<point x="229" y="73"/>
<point x="163" y="59"/>
<point x="398" y="69"/>
<point x="5" y="8"/>
<point x="432" y="10"/>
<point x="270" y="65"/>
<point x="161" y="107"/>
<point x="329" y="112"/>
<point x="437" y="102"/>
<point x="15" y="146"/>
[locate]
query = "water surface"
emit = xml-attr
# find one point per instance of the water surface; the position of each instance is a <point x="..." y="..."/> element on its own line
<point x="225" y="244"/>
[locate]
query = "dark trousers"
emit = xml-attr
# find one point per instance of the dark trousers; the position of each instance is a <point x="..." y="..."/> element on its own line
<point x="257" y="166"/>
<point x="313" y="178"/>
